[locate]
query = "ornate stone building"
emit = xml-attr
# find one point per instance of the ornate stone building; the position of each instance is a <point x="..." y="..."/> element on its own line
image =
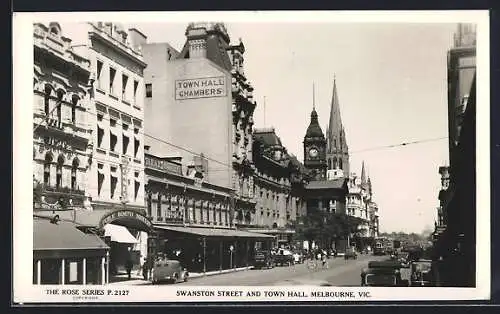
<point x="61" y="137"/>
<point x="277" y="188"/>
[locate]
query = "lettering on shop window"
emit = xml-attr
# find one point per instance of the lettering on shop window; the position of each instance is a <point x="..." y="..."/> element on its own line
<point x="200" y="88"/>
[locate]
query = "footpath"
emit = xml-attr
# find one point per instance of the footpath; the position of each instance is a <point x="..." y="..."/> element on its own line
<point x="136" y="278"/>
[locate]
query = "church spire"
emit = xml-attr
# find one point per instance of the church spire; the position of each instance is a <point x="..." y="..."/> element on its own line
<point x="363" y="174"/>
<point x="314" y="101"/>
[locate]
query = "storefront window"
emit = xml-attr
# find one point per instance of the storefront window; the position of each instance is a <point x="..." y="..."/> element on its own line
<point x="93" y="270"/>
<point x="51" y="272"/>
<point x="73" y="272"/>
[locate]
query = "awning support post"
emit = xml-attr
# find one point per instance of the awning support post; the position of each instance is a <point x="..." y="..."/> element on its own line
<point x="107" y="267"/>
<point x="221" y="252"/>
<point x="63" y="271"/>
<point x="204" y="254"/>
<point x="84" y="273"/>
<point x="103" y="271"/>
<point x="38" y="271"/>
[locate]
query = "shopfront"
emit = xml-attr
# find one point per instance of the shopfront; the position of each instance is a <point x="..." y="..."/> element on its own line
<point x="209" y="249"/>
<point x="124" y="232"/>
<point x="65" y="255"/>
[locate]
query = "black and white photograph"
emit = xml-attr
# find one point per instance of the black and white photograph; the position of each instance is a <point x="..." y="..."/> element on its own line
<point x="251" y="156"/>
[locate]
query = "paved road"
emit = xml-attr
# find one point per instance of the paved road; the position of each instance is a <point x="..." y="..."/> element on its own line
<point x="339" y="273"/>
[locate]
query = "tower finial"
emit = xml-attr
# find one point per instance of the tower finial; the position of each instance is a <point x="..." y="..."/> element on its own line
<point x="314" y="104"/>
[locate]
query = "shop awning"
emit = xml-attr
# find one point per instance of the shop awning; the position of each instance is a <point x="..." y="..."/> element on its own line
<point x="63" y="239"/>
<point x="119" y="234"/>
<point x="213" y="232"/>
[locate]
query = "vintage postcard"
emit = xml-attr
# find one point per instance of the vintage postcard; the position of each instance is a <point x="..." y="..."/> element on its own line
<point x="251" y="156"/>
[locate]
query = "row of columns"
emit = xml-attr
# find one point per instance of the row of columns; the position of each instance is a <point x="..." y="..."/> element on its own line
<point x="104" y="267"/>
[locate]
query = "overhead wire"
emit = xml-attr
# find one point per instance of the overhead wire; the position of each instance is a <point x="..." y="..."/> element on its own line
<point x="375" y="148"/>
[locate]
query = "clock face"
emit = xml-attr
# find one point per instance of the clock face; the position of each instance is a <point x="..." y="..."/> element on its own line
<point x="313" y="152"/>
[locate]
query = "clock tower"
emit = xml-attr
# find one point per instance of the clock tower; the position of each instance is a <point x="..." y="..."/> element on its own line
<point x="315" y="148"/>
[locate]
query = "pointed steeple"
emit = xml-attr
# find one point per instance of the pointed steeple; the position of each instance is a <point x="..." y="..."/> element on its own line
<point x="335" y="121"/>
<point x="363" y="174"/>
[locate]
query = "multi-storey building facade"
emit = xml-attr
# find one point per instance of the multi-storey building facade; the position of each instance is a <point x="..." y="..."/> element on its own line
<point x="116" y="171"/>
<point x="61" y="157"/>
<point x="277" y="194"/>
<point x="461" y="70"/>
<point x="199" y="113"/>
<point x="61" y="136"/>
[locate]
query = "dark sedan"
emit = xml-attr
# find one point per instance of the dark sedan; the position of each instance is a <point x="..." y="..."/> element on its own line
<point x="383" y="274"/>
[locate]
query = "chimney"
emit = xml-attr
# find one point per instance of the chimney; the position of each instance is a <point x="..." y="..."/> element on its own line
<point x="136" y="38"/>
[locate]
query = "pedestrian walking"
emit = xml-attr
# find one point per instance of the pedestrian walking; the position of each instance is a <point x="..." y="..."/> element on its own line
<point x="128" y="266"/>
<point x="324" y="262"/>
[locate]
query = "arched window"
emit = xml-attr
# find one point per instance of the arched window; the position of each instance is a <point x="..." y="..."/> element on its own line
<point x="340" y="163"/>
<point x="74" y="103"/>
<point x="334" y="162"/>
<point x="275" y="225"/>
<point x="60" y="163"/>
<point x="74" y="169"/>
<point x="46" y="169"/>
<point x="48" y="90"/>
<point x="60" y="95"/>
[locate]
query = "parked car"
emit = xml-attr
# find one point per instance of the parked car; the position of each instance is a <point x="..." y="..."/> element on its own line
<point x="169" y="270"/>
<point x="264" y="259"/>
<point x="383" y="274"/>
<point x="350" y="253"/>
<point x="284" y="257"/>
<point x="421" y="273"/>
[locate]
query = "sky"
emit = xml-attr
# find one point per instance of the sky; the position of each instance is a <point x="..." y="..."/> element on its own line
<point x="392" y="88"/>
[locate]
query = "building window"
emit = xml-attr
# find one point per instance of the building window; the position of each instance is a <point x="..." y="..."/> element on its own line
<point x="340" y="164"/>
<point x="60" y="95"/>
<point x="74" y="103"/>
<point x="60" y="163"/>
<point x="114" y="181"/>
<point x="136" y="190"/>
<point x="124" y="86"/>
<point x="125" y="144"/>
<point x="112" y="74"/>
<point x="100" y="135"/>
<point x="136" y="85"/>
<point x="48" y="90"/>
<point x="113" y="139"/>
<point x="149" y="90"/>
<point x="99" y="74"/>
<point x="136" y="146"/>
<point x="148" y="204"/>
<point x="46" y="169"/>
<point x="100" y="179"/>
<point x="74" y="169"/>
<point x="158" y="207"/>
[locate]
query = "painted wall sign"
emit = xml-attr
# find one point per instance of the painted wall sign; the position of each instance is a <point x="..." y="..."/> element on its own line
<point x="125" y="213"/>
<point x="200" y="88"/>
<point x="162" y="165"/>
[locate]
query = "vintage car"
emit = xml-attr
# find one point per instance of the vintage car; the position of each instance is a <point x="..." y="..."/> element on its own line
<point x="383" y="274"/>
<point x="421" y="273"/>
<point x="284" y="257"/>
<point x="168" y="270"/>
<point x="263" y="259"/>
<point x="350" y="253"/>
